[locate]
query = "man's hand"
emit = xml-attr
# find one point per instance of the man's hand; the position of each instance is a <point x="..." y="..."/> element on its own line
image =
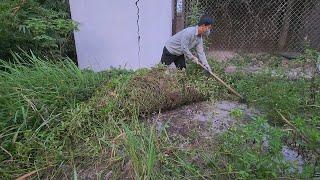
<point x="197" y="61"/>
<point x="208" y="68"/>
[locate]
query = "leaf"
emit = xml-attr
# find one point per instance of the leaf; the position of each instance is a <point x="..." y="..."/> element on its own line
<point x="75" y="174"/>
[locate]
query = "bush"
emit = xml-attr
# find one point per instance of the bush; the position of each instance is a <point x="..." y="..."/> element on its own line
<point x="45" y="27"/>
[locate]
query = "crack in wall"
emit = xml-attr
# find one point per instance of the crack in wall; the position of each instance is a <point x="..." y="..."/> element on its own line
<point x="138" y="31"/>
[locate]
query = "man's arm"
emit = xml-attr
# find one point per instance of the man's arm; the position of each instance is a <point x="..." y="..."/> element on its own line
<point x="184" y="46"/>
<point x="202" y="55"/>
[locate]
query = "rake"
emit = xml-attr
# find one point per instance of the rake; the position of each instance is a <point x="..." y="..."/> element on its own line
<point x="242" y="98"/>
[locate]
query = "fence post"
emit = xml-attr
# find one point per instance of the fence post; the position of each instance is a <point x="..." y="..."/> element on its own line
<point x="179" y="15"/>
<point x="285" y="27"/>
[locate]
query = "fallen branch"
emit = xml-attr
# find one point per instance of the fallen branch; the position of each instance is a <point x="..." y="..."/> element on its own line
<point x="17" y="8"/>
<point x="293" y="126"/>
<point x="295" y="129"/>
<point x="26" y="176"/>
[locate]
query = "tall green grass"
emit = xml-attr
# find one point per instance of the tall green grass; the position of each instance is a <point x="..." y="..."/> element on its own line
<point x="40" y="89"/>
<point x="51" y="123"/>
<point x="35" y="96"/>
<point x="48" y="121"/>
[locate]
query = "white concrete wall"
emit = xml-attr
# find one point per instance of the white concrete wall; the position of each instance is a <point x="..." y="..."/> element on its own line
<point x="108" y="32"/>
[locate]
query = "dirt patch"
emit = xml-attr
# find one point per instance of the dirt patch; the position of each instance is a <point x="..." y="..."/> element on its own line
<point x="221" y="56"/>
<point x="285" y="68"/>
<point x="197" y="122"/>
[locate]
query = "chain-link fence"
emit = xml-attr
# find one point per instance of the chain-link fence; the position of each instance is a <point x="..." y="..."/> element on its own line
<point x="259" y="25"/>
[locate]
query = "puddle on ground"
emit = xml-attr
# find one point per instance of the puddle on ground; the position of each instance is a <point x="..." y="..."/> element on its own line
<point x="290" y="156"/>
<point x="293" y="158"/>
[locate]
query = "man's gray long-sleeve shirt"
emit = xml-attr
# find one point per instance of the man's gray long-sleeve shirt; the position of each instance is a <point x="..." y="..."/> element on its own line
<point x="183" y="41"/>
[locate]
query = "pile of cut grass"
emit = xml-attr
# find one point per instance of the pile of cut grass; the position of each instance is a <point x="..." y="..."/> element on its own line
<point x="160" y="89"/>
<point x="149" y="91"/>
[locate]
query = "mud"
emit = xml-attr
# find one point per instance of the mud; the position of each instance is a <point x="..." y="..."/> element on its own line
<point x="191" y="125"/>
<point x="201" y="120"/>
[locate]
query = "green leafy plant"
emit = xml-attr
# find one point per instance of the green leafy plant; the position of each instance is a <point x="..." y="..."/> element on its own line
<point x="44" y="27"/>
<point x="236" y="113"/>
<point x="195" y="13"/>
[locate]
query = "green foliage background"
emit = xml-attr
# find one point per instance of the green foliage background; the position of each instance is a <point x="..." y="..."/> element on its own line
<point x="44" y="27"/>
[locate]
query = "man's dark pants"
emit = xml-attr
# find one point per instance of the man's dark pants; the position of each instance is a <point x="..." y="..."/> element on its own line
<point x="168" y="58"/>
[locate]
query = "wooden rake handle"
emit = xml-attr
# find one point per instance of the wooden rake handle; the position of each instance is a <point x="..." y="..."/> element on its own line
<point x="221" y="81"/>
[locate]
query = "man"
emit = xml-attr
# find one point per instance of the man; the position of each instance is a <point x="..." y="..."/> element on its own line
<point x="178" y="47"/>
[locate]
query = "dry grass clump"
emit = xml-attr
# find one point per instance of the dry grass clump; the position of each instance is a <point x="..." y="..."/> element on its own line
<point x="160" y="89"/>
<point x="150" y="91"/>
